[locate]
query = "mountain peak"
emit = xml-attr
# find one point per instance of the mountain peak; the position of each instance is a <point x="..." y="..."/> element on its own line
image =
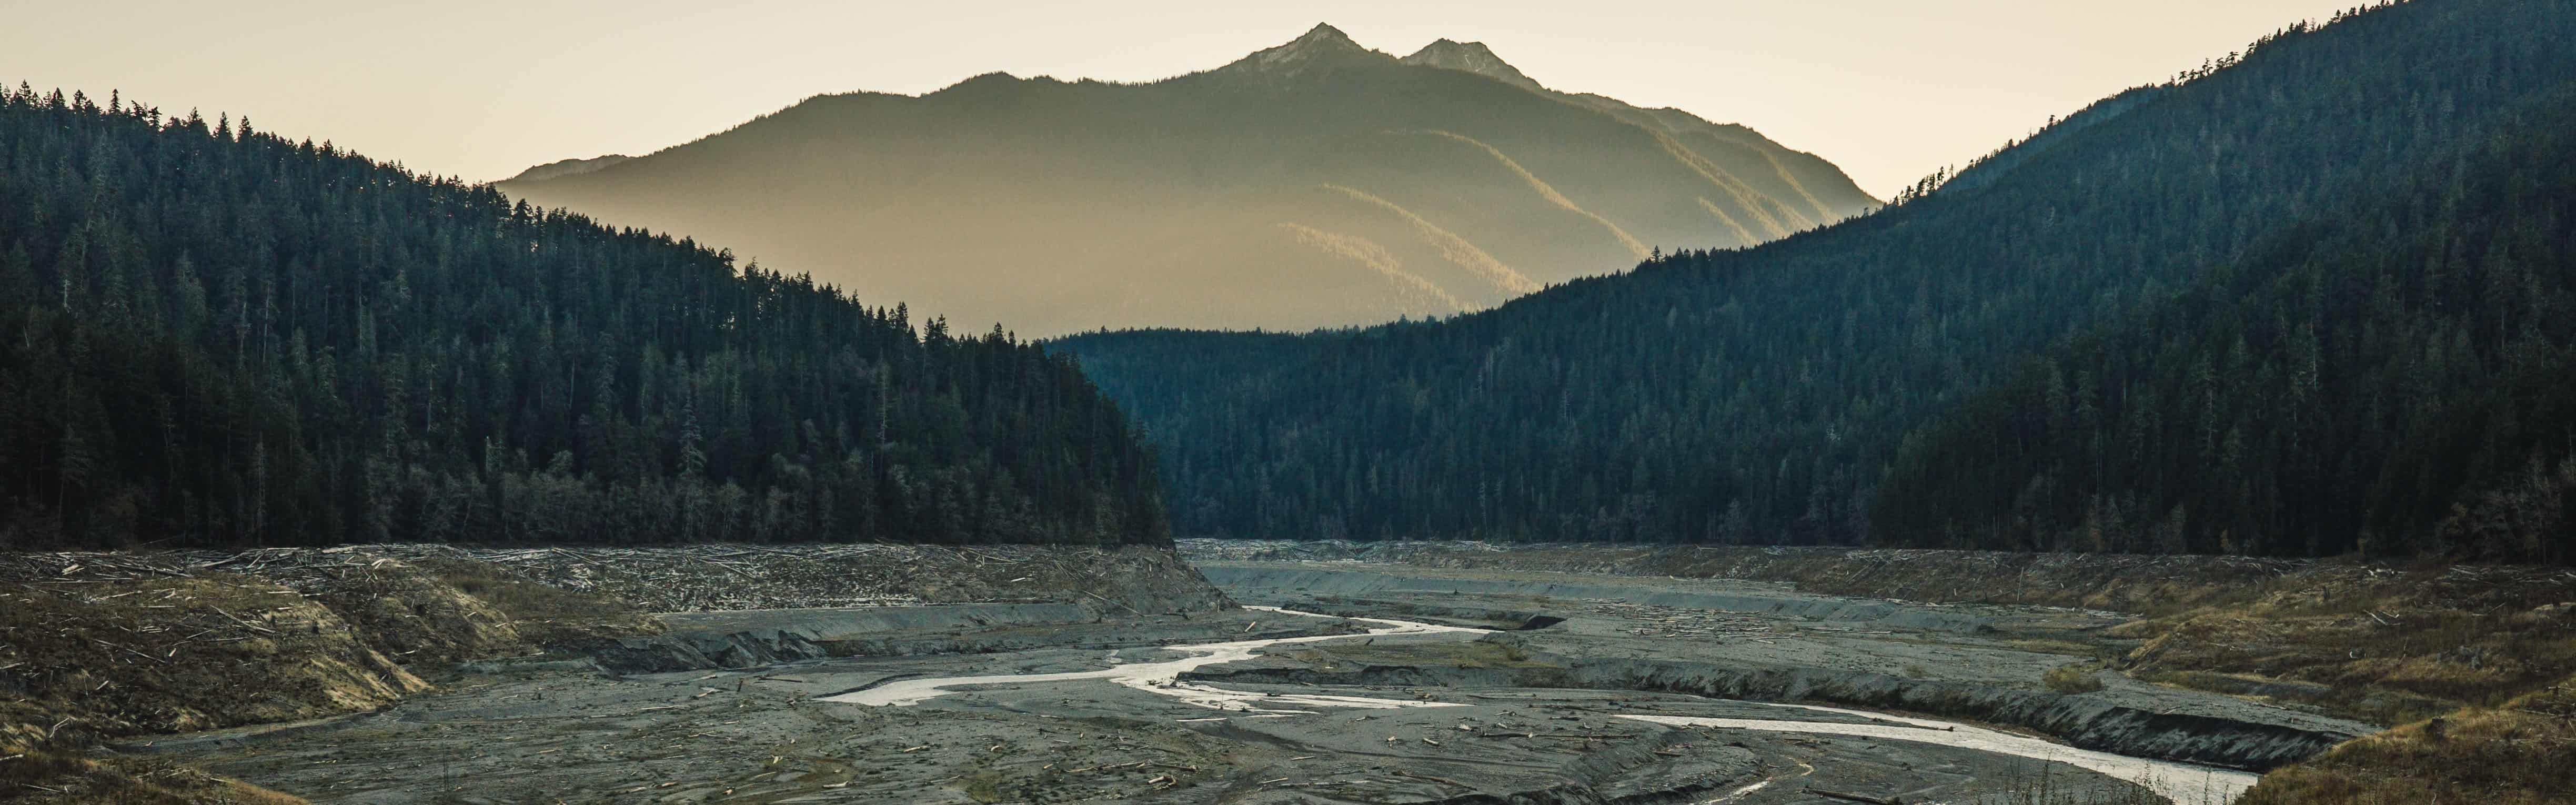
<point x="1471" y="57"/>
<point x="1318" y="43"/>
<point x="1324" y="34"/>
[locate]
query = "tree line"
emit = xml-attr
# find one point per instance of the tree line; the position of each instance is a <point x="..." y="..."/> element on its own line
<point x="214" y="335"/>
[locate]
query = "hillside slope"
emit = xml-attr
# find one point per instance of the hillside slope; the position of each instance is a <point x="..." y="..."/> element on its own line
<point x="1760" y="395"/>
<point x="2398" y="367"/>
<point x="217" y="336"/>
<point x="1317" y="183"/>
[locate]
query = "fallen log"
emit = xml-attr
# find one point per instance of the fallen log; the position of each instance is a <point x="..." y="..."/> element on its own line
<point x="1864" y="798"/>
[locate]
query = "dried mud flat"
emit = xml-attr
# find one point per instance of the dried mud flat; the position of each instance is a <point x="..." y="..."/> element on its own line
<point x="1537" y="697"/>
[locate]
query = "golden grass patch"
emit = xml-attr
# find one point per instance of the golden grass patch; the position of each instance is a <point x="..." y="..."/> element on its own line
<point x="2518" y="753"/>
<point x="2073" y="678"/>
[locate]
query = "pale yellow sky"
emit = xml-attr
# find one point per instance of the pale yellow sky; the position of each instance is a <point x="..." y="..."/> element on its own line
<point x="1888" y="89"/>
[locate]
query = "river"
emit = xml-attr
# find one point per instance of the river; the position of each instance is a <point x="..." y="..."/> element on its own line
<point x="2183" y="783"/>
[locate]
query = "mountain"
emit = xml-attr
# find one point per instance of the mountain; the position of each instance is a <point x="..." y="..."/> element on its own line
<point x="1470" y="57"/>
<point x="219" y="337"/>
<point x="1765" y="167"/>
<point x="568" y="167"/>
<point x="1764" y="394"/>
<point x="1318" y="183"/>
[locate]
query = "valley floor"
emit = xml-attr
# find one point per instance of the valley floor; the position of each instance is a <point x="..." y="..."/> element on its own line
<point x="2474" y="666"/>
<point x="1518" y="682"/>
<point x="1535" y="714"/>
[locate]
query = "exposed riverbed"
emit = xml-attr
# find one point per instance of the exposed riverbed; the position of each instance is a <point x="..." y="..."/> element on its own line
<point x="1162" y="677"/>
<point x="1389" y="684"/>
<point x="2179" y="782"/>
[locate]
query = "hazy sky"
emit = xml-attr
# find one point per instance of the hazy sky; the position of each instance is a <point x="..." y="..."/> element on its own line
<point x="1888" y="89"/>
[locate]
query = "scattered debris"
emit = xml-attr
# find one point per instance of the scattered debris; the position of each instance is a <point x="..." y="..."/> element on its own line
<point x="684" y="578"/>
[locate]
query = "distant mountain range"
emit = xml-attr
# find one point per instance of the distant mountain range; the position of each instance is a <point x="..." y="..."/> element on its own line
<point x="1317" y="183"/>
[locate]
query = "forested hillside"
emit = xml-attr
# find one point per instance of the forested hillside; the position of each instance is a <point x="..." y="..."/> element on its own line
<point x="1761" y="395"/>
<point x="214" y="335"/>
<point x="2397" y="369"/>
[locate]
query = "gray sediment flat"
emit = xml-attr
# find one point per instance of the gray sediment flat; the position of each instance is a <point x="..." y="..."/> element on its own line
<point x="1547" y="714"/>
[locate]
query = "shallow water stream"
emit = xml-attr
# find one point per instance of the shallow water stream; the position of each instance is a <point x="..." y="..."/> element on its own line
<point x="2184" y="783"/>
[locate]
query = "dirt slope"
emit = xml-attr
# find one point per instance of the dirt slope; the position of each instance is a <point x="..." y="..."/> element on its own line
<point x="97" y="646"/>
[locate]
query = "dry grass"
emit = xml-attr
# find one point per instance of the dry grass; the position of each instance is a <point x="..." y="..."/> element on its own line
<point x="542" y="615"/>
<point x="2073" y="678"/>
<point x="2515" y="754"/>
<point x="82" y="660"/>
<point x="2384" y="653"/>
<point x="87" y="660"/>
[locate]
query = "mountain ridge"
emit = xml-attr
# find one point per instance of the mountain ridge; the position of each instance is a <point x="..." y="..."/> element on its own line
<point x="1316" y="45"/>
<point x="568" y="167"/>
<point x="1315" y="183"/>
<point x="1472" y="57"/>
